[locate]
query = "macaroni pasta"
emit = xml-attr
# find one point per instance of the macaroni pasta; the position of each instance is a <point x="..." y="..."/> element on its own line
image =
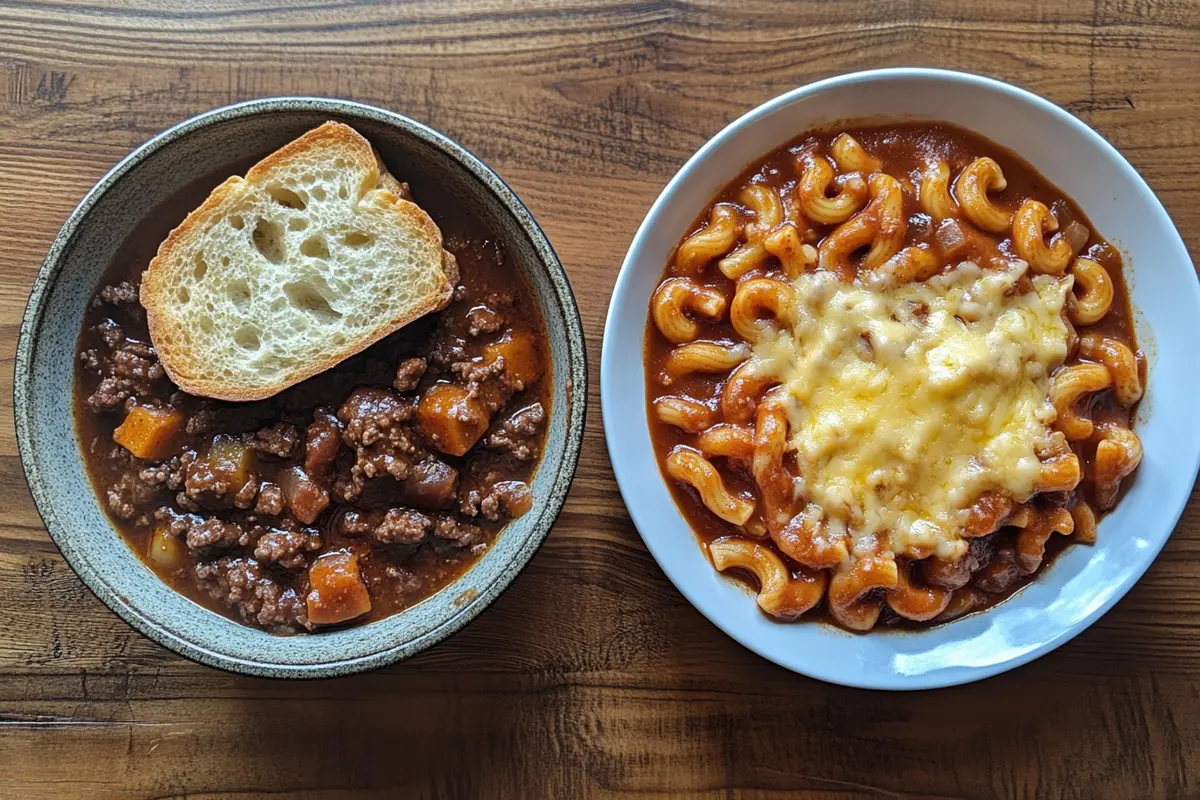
<point x="891" y="373"/>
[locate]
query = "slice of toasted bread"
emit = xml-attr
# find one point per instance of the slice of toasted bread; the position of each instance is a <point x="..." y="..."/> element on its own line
<point x="309" y="259"/>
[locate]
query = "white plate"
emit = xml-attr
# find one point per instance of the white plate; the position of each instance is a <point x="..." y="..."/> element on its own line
<point x="1083" y="582"/>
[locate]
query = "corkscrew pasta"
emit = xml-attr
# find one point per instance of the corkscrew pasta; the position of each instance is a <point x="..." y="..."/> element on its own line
<point x="891" y="372"/>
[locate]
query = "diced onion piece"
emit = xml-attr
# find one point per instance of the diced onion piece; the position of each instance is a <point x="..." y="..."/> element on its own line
<point x="950" y="237"/>
<point x="165" y="550"/>
<point x="1077" y="235"/>
<point x="304" y="496"/>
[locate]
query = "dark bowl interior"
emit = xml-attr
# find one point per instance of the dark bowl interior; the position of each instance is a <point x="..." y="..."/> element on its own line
<point x="226" y="140"/>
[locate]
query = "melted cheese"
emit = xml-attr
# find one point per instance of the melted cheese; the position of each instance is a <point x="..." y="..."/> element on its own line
<point x="907" y="402"/>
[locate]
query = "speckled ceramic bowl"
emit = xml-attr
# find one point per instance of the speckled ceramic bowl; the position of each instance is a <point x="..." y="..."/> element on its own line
<point x="44" y="383"/>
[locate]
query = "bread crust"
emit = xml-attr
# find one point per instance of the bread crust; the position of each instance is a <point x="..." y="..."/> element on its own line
<point x="184" y="367"/>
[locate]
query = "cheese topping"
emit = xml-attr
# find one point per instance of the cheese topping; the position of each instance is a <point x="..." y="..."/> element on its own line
<point x="908" y="402"/>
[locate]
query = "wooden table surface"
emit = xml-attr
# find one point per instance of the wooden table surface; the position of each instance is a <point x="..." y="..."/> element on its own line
<point x="590" y="676"/>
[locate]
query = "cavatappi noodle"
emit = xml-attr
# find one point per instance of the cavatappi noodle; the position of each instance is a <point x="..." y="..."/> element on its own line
<point x="885" y="367"/>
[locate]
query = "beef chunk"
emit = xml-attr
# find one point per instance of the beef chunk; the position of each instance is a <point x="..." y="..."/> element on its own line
<point x="245" y="587"/>
<point x="504" y="498"/>
<point x="130" y="497"/>
<point x="403" y="526"/>
<point x="384" y="444"/>
<point x="409" y="374"/>
<point x="322" y="441"/>
<point x="517" y="434"/>
<point x="218" y="534"/>
<point x="288" y="549"/>
<point x="279" y="440"/>
<point x="431" y="483"/>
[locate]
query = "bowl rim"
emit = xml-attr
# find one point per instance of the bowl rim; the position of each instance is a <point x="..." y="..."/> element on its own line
<point x="609" y="377"/>
<point x="574" y="396"/>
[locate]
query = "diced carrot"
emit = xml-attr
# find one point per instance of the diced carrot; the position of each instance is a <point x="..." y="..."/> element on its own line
<point x="150" y="432"/>
<point x="165" y="550"/>
<point x="522" y="362"/>
<point x="451" y="418"/>
<point x="337" y="592"/>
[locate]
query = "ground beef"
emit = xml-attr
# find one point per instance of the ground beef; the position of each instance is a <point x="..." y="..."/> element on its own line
<point x="155" y="474"/>
<point x="217" y="533"/>
<point x="130" y="364"/>
<point x="358" y="523"/>
<point x="1001" y="572"/>
<point x="409" y="374"/>
<point x="475" y="372"/>
<point x="517" y="434"/>
<point x="270" y="500"/>
<point x="322" y="441"/>
<point x="447" y="349"/>
<point x="376" y="428"/>
<point x="288" y="549"/>
<point x="279" y="440"/>
<point x="459" y="534"/>
<point x="118" y="294"/>
<point x="244" y="586"/>
<point x="402" y="580"/>
<point x="403" y="526"/>
<point x="246" y="495"/>
<point x="173" y="473"/>
<point x="177" y="524"/>
<point x="109" y="395"/>
<point x="91" y="361"/>
<point x="110" y="333"/>
<point x="130" y="497"/>
<point x="128" y="369"/>
<point x="205" y="488"/>
<point x="202" y="422"/>
<point x="504" y="498"/>
<point x="958" y="574"/>
<point x="481" y="320"/>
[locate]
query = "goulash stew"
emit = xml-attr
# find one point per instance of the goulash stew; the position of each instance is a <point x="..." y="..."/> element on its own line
<point x="346" y="498"/>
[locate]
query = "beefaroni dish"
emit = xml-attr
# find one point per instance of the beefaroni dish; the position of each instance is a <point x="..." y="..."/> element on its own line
<point x="346" y="497"/>
<point x="890" y="372"/>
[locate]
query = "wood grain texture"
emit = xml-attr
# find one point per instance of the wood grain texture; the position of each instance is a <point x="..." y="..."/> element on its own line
<point x="590" y="677"/>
